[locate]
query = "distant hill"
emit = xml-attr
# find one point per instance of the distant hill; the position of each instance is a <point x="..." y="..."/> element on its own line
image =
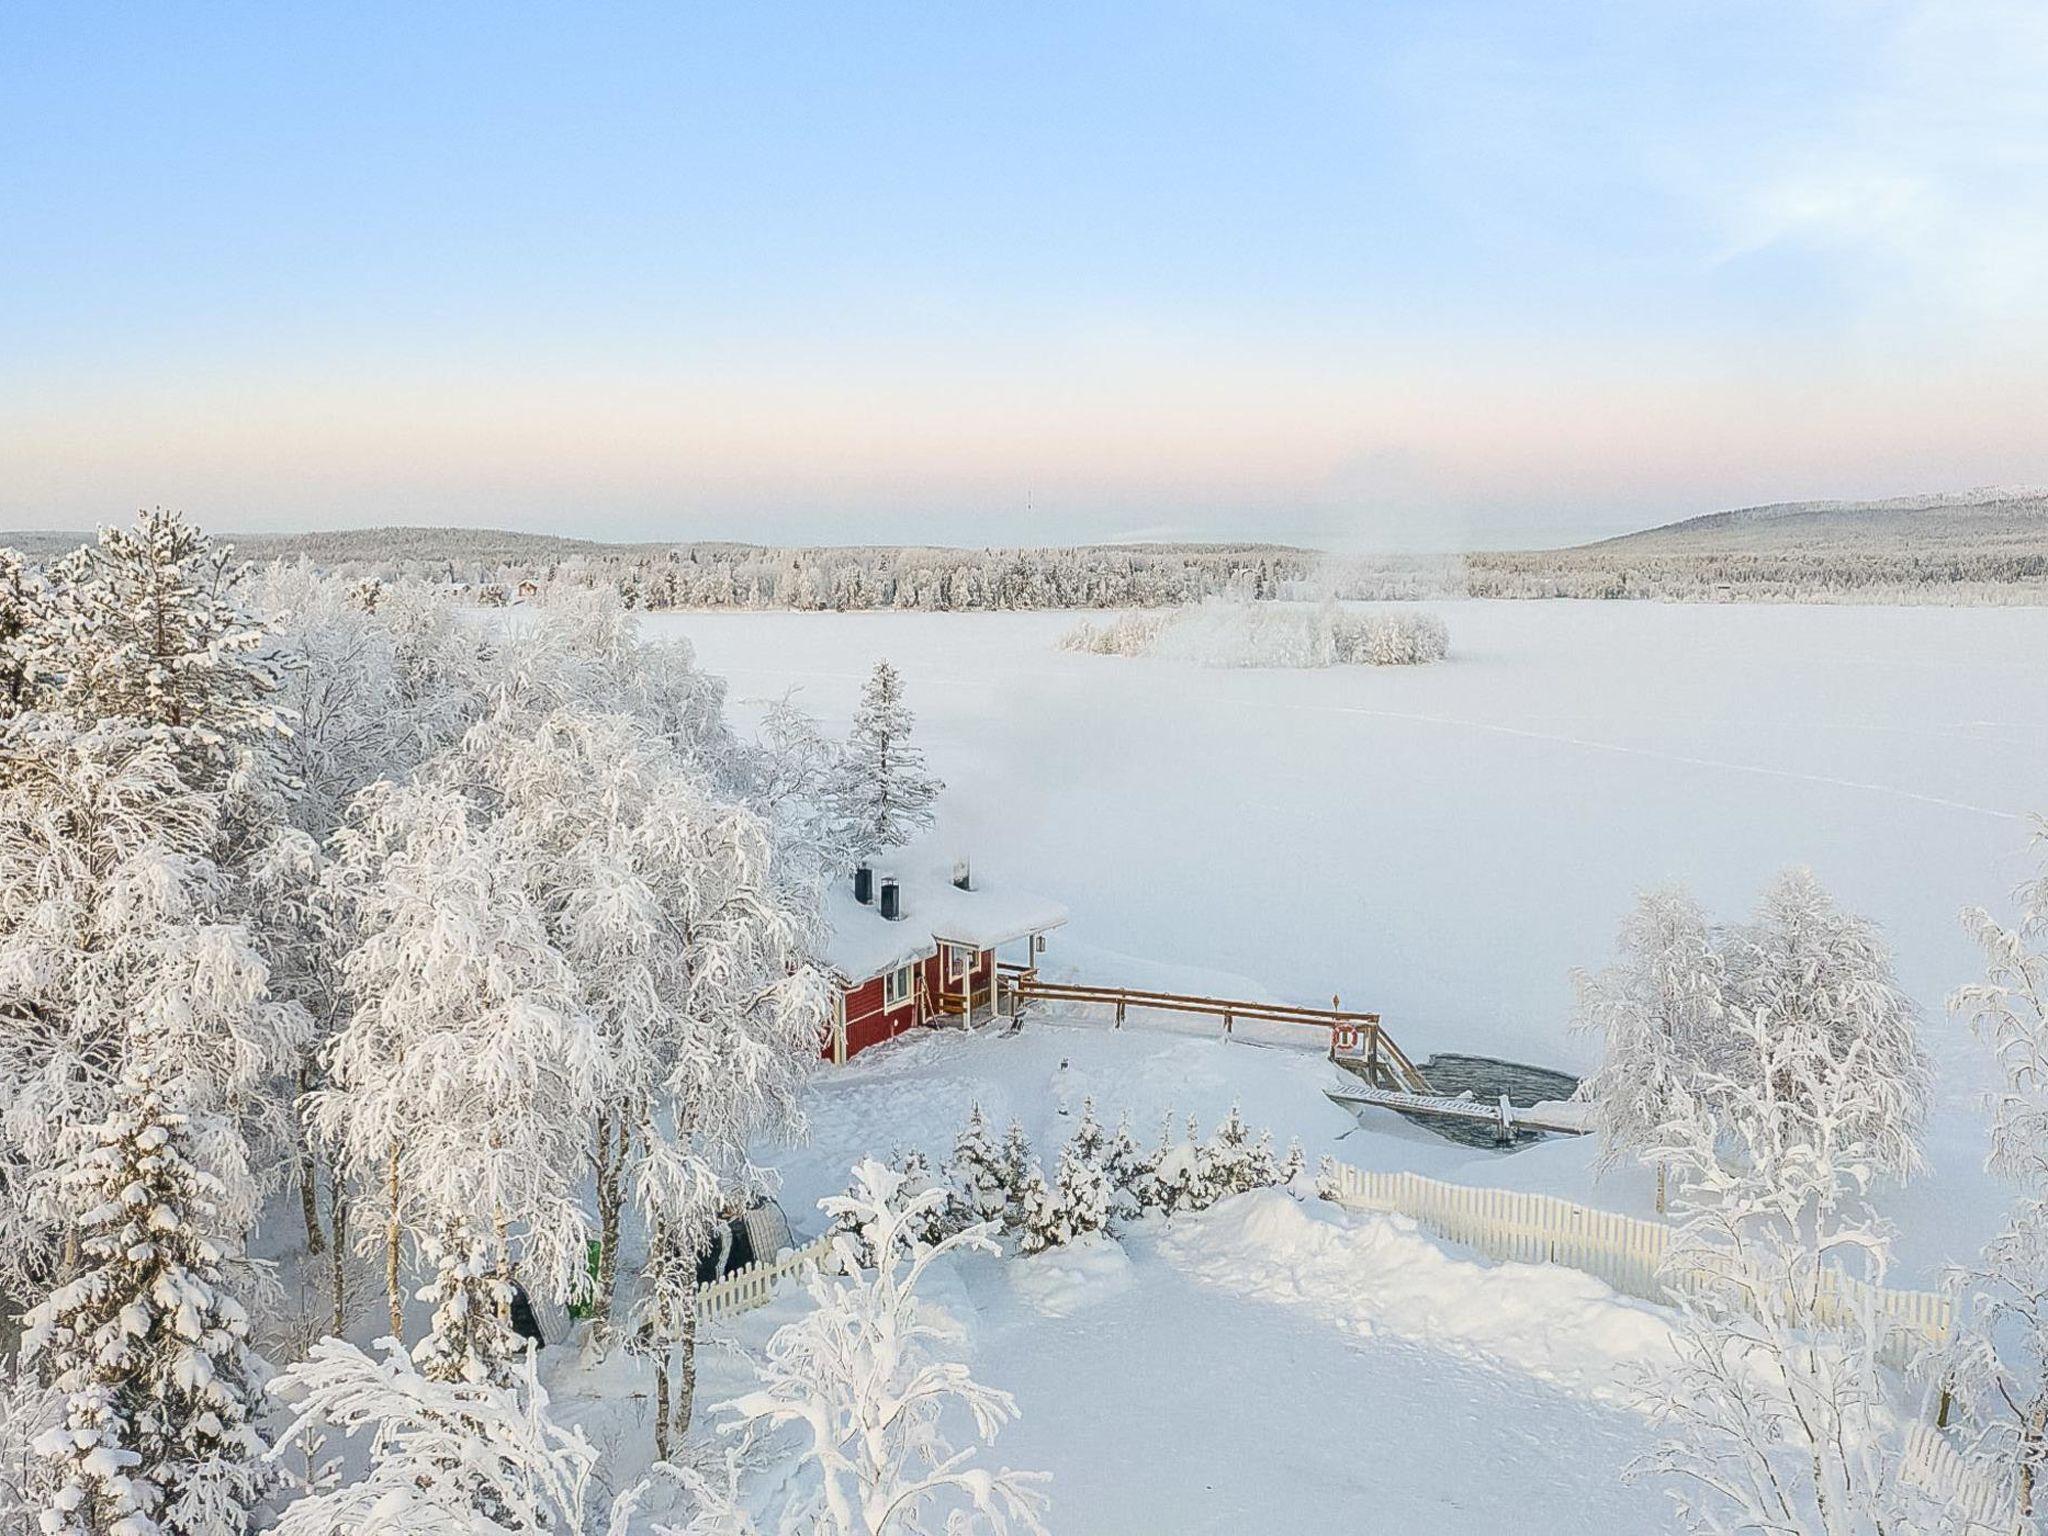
<point x="1976" y="518"/>
<point x="1982" y="546"/>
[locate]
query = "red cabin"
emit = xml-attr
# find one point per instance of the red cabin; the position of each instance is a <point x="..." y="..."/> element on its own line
<point x="914" y="946"/>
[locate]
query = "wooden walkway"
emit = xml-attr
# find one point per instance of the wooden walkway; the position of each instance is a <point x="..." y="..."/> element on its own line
<point x="1357" y="1039"/>
<point x="1505" y="1118"/>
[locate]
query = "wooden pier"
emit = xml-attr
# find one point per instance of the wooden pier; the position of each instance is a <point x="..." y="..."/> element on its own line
<point x="1357" y="1040"/>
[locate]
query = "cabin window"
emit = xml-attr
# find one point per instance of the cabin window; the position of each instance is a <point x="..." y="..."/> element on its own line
<point x="896" y="987"/>
<point x="959" y="961"/>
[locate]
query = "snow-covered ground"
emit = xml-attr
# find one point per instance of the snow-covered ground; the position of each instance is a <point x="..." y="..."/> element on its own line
<point x="1272" y="1364"/>
<point x="1445" y="843"/>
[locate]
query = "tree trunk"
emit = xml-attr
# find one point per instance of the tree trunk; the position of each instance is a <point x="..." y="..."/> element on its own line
<point x="611" y="1163"/>
<point x="391" y="1237"/>
<point x="337" y="1249"/>
<point x="686" y="1385"/>
<point x="2031" y="1432"/>
<point x="661" y="1410"/>
<point x="309" y="1172"/>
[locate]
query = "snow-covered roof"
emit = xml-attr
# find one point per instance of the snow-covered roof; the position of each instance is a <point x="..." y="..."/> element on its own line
<point x="865" y="944"/>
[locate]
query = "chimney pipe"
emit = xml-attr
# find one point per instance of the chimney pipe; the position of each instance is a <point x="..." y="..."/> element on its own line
<point x="892" y="903"/>
<point x="963" y="877"/>
<point x="863" y="885"/>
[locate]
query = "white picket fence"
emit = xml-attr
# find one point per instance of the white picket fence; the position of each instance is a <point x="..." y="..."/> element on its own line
<point x="1625" y="1251"/>
<point x="1935" y="1466"/>
<point x="754" y="1285"/>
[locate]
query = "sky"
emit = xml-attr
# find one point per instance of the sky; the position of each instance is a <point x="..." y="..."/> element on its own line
<point x="1390" y="273"/>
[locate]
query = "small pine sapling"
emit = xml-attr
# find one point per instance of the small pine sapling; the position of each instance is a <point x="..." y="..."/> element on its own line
<point x="1018" y="1169"/>
<point x="978" y="1171"/>
<point x="1082" y="1191"/>
<point x="1226" y="1160"/>
<point x="1127" y="1171"/>
<point x="1180" y="1177"/>
<point x="1041" y="1220"/>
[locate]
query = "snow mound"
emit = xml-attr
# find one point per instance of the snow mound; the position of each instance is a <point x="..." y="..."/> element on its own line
<point x="1064" y="1280"/>
<point x="1372" y="1274"/>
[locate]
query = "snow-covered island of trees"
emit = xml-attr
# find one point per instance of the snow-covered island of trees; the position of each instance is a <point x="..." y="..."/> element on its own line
<point x="419" y="1113"/>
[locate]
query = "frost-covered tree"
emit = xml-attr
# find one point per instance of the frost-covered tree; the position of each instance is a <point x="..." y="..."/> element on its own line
<point x="147" y="1346"/>
<point x="1776" y="1415"/>
<point x="464" y="1082"/>
<point x="467" y="1338"/>
<point x="1659" y="1013"/>
<point x="1675" y="1017"/>
<point x="1231" y="1162"/>
<point x="978" y="1172"/>
<point x="23" y="608"/>
<point x="1998" y="1367"/>
<point x="687" y="953"/>
<point x="1804" y="964"/>
<point x="115" y="925"/>
<point x="865" y="1377"/>
<point x="445" y="1457"/>
<point x="1018" y="1168"/>
<point x="1180" y="1178"/>
<point x="148" y="625"/>
<point x="1127" y="1171"/>
<point x="881" y="791"/>
<point x="1076" y="1203"/>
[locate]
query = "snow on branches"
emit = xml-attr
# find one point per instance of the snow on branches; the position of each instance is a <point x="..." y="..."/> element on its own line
<point x="880" y="789"/>
<point x="1681" y="1016"/>
<point x="144" y="1343"/>
<point x="865" y="1379"/>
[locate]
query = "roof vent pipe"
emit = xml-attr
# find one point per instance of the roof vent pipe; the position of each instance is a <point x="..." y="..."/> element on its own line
<point x="863" y="884"/>
<point x="892" y="902"/>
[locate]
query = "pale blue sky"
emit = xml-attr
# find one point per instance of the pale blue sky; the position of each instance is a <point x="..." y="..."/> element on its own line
<point x="1424" y="273"/>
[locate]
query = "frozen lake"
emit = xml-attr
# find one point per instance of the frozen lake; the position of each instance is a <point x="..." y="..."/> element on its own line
<point x="1444" y="843"/>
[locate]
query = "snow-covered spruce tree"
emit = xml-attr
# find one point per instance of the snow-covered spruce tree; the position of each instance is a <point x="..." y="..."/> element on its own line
<point x="1180" y="1177"/>
<point x="445" y="1457"/>
<point x="1292" y="1165"/>
<point x="1659" y="1013"/>
<point x="115" y="923"/>
<point x="1230" y="1160"/>
<point x="977" y="1172"/>
<point x="1018" y="1167"/>
<point x="881" y="790"/>
<point x="1089" y="1137"/>
<point x="145" y="1343"/>
<point x="147" y="625"/>
<point x="464" y="1082"/>
<point x="1082" y="1192"/>
<point x="467" y="1338"/>
<point x="1776" y="1415"/>
<point x="1998" y="1366"/>
<point x="23" y="612"/>
<point x="864" y="1376"/>
<point x="1127" y="1171"/>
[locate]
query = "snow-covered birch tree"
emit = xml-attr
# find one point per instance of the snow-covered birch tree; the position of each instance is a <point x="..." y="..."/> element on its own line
<point x="866" y="1379"/>
<point x="463" y="1082"/>
<point x="1659" y="1015"/>
<point x="1999" y="1366"/>
<point x="881" y="790"/>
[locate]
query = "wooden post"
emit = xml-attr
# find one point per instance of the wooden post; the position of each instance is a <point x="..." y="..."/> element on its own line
<point x="1226" y="1021"/>
<point x="1119" y="1013"/>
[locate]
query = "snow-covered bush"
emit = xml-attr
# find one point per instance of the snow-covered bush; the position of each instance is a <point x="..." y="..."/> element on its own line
<point x="1231" y="631"/>
<point x="1179" y="1179"/>
<point x="866" y="1378"/>
<point x="1127" y="634"/>
<point x="145" y="1344"/>
<point x="444" y="1456"/>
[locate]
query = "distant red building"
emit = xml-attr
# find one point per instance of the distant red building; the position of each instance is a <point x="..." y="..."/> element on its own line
<point x="913" y="946"/>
